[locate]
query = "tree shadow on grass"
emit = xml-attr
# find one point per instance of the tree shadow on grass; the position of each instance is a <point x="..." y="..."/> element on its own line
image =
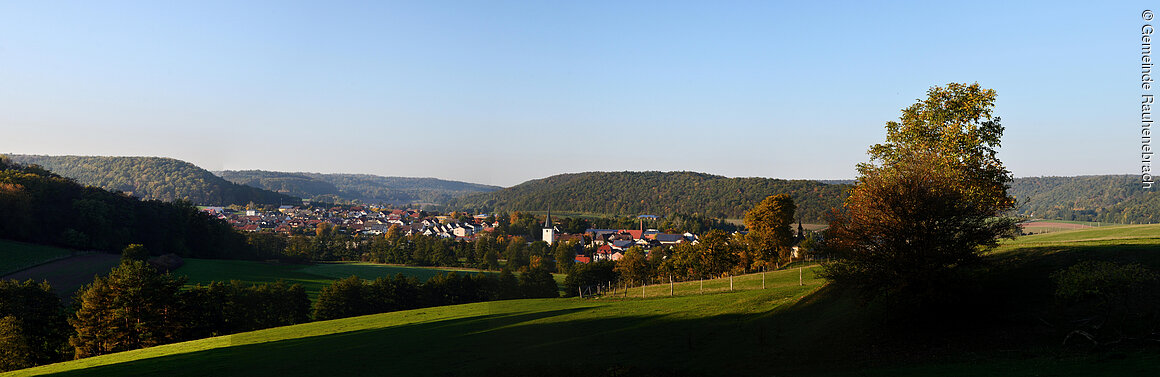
<point x="826" y="332"/>
<point x="508" y="345"/>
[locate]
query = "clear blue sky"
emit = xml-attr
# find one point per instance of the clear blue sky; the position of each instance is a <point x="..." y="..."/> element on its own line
<point x="502" y="92"/>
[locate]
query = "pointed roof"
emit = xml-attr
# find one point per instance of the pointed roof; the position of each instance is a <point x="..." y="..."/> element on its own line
<point x="548" y="220"/>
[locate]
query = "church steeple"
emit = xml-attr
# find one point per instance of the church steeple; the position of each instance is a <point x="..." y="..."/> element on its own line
<point x="549" y="230"/>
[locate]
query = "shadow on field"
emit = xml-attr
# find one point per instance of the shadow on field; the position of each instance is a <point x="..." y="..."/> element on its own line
<point x="829" y="332"/>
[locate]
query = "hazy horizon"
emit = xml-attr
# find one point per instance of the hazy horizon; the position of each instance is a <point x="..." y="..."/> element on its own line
<point x="499" y="93"/>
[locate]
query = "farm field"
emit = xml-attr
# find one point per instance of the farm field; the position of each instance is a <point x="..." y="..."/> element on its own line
<point x="16" y="256"/>
<point x="313" y="277"/>
<point x="1110" y="232"/>
<point x="70" y="273"/>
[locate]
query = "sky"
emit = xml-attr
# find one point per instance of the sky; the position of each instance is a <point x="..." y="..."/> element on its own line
<point x="500" y="92"/>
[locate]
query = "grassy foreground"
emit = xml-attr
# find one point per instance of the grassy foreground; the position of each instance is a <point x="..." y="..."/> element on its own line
<point x="480" y="338"/>
<point x="786" y="329"/>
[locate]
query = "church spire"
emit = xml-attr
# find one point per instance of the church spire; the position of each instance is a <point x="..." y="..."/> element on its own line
<point x="548" y="220"/>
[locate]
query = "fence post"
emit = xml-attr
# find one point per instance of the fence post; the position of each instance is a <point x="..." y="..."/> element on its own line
<point x="730" y="282"/>
<point x="800" y="276"/>
<point x="670" y="285"/>
<point x="762" y="277"/>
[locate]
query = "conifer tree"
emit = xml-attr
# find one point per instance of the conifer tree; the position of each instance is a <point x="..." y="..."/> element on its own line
<point x="133" y="307"/>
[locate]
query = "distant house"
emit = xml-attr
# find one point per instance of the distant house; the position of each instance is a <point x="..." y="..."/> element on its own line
<point x="604" y="252"/>
<point x="463" y="231"/>
<point x="622" y="244"/>
<point x="670" y="239"/>
<point x="583" y="259"/>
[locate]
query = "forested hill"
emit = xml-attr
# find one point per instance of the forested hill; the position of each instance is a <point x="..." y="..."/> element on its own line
<point x="41" y="207"/>
<point x="155" y="178"/>
<point x="1111" y="198"/>
<point x="365" y="188"/>
<point x="656" y="193"/>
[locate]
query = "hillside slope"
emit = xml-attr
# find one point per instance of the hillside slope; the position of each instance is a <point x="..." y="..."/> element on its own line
<point x="363" y="188"/>
<point x="1108" y="198"/>
<point x="154" y="178"/>
<point x="656" y="193"/>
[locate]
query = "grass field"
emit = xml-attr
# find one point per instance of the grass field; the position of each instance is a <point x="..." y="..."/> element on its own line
<point x="16" y="256"/>
<point x="1111" y="232"/>
<point x="786" y="329"/>
<point x="313" y="277"/>
<point x="474" y="338"/>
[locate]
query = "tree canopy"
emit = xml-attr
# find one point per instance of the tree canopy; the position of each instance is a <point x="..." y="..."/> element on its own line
<point x="770" y="234"/>
<point x="929" y="201"/>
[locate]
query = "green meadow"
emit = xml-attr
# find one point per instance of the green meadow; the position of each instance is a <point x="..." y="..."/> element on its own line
<point x="789" y="328"/>
<point x="16" y="256"/>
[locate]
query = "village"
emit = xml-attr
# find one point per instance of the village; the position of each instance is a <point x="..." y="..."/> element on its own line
<point x="602" y="244"/>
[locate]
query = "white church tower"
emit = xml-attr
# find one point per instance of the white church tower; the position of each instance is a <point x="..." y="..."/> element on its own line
<point x="549" y="230"/>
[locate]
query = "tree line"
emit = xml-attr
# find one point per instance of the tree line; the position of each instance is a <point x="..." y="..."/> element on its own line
<point x="42" y="207"/>
<point x="1105" y="198"/>
<point x="656" y="193"/>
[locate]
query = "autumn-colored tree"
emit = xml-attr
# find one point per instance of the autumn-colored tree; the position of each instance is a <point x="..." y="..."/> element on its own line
<point x="929" y="202"/>
<point x="770" y="235"/>
<point x="634" y="267"/>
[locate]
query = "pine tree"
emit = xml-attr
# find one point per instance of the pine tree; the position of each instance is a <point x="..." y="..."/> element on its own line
<point x="133" y="307"/>
<point x="37" y="323"/>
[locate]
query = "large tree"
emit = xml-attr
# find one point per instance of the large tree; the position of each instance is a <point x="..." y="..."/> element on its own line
<point x="770" y="235"/>
<point x="929" y="202"/>
<point x="716" y="253"/>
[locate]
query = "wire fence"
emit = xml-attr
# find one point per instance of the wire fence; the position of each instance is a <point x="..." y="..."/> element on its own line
<point x="799" y="276"/>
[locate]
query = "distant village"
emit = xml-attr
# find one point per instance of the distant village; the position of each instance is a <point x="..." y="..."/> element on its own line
<point x="607" y="244"/>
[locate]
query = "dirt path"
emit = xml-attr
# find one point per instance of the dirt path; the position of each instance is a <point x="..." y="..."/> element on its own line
<point x="69" y="274"/>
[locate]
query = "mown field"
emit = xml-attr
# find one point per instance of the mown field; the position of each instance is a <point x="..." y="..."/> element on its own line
<point x="787" y="329"/>
<point x="16" y="256"/>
